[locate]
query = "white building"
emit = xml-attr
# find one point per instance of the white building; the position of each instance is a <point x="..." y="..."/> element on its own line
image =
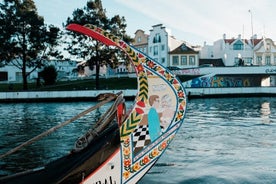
<point x="252" y="51"/>
<point x="265" y="52"/>
<point x="11" y="74"/>
<point x="160" y="43"/>
<point x="65" y="68"/>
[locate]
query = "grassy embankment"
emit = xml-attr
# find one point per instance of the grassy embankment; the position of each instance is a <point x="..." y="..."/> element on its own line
<point x="85" y="84"/>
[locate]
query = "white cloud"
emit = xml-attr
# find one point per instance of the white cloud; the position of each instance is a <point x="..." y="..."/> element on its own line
<point x="194" y="21"/>
<point x="208" y="19"/>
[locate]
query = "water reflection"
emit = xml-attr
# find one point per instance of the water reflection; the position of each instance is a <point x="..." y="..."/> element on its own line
<point x="265" y="113"/>
<point x="21" y="122"/>
<point x="221" y="140"/>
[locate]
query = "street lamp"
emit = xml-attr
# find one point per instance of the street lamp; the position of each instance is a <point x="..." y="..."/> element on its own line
<point x="252" y="35"/>
<point x="251" y="22"/>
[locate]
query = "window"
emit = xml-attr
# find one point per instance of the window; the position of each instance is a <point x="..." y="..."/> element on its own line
<point x="248" y="60"/>
<point x="192" y="60"/>
<point x="238" y="45"/>
<point x="267" y="60"/>
<point x="163" y="60"/>
<point x="175" y="60"/>
<point x="3" y="76"/>
<point x="183" y="60"/>
<point x="268" y="46"/>
<point x="155" y="50"/>
<point x="139" y="39"/>
<point x="163" y="47"/>
<point x="157" y="38"/>
<point x="237" y="61"/>
<point x="259" y="60"/>
<point x="184" y="47"/>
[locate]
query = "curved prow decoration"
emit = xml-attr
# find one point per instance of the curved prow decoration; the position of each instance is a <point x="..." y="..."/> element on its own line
<point x="158" y="113"/>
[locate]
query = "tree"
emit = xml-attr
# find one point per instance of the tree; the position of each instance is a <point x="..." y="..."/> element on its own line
<point x="49" y="75"/>
<point x="95" y="53"/>
<point x="25" y="41"/>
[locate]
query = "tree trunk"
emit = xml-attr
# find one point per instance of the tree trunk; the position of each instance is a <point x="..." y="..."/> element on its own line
<point x="97" y="75"/>
<point x="24" y="60"/>
<point x="24" y="76"/>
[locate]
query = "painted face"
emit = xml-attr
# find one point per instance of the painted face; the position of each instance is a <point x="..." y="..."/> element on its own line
<point x="164" y="103"/>
<point x="156" y="103"/>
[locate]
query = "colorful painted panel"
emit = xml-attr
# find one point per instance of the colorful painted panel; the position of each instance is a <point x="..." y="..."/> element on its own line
<point x="158" y="112"/>
<point x="224" y="81"/>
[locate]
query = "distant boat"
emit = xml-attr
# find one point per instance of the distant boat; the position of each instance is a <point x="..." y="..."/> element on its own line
<point x="123" y="146"/>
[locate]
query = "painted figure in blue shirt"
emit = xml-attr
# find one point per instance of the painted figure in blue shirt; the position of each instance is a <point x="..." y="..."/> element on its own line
<point x="153" y="118"/>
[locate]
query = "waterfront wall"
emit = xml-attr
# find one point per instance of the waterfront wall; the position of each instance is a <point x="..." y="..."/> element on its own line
<point x="225" y="82"/>
<point x="90" y="95"/>
<point x="231" y="92"/>
<point x="60" y="95"/>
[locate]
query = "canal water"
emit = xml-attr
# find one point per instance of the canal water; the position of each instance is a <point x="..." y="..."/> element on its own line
<point x="223" y="140"/>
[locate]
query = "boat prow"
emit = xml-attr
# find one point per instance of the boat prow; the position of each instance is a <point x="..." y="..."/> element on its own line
<point x="125" y="150"/>
<point x="151" y="125"/>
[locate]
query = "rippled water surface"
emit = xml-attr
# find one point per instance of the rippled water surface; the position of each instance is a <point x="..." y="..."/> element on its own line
<point x="231" y="140"/>
<point x="222" y="141"/>
<point x="21" y="122"/>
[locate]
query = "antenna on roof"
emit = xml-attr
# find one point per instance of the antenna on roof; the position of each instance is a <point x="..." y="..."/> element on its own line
<point x="252" y="35"/>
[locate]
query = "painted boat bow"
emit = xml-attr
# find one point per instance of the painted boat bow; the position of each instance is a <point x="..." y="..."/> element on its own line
<point x="149" y="128"/>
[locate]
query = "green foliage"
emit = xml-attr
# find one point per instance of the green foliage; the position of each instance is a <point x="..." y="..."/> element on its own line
<point x="92" y="51"/>
<point x="49" y="75"/>
<point x="25" y="41"/>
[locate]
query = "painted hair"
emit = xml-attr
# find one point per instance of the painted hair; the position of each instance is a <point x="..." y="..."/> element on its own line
<point x="166" y="98"/>
<point x="152" y="98"/>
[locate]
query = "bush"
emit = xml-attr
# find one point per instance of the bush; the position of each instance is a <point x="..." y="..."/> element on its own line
<point x="49" y="75"/>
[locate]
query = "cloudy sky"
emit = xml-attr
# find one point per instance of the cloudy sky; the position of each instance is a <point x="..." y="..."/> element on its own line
<point x="194" y="21"/>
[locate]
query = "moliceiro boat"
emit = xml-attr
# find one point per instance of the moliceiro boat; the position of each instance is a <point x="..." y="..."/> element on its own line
<point x="122" y="147"/>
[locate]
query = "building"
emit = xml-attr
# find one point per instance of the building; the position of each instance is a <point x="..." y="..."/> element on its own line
<point x="160" y="43"/>
<point x="184" y="56"/>
<point x="64" y="68"/>
<point x="11" y="74"/>
<point x="238" y="51"/>
<point x="141" y="41"/>
<point x="165" y="48"/>
<point x="84" y="71"/>
<point x="265" y="52"/>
